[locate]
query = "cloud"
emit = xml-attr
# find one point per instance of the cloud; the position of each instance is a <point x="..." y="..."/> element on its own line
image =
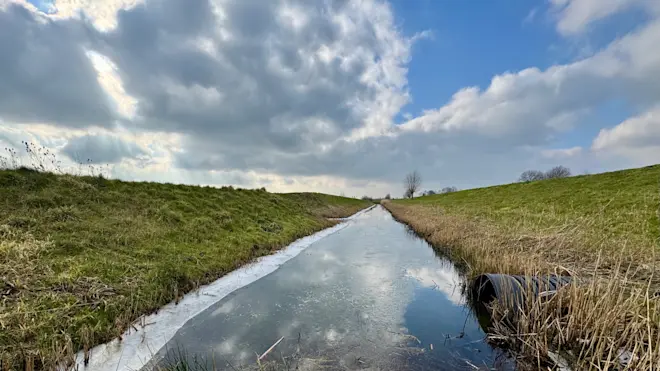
<point x="636" y="132"/>
<point x="561" y="153"/>
<point x="108" y="78"/>
<point x="531" y="15"/>
<point x="100" y="149"/>
<point x="45" y="73"/>
<point x="284" y="76"/>
<point x="574" y="16"/>
<point x="444" y="279"/>
<point x="102" y="14"/>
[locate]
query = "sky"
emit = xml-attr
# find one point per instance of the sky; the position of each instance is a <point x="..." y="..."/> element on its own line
<point x="334" y="96"/>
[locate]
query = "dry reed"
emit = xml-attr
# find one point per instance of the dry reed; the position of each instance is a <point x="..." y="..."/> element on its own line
<point x="608" y="321"/>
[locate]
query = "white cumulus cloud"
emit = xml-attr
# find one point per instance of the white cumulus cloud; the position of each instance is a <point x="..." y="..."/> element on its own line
<point x="638" y="131"/>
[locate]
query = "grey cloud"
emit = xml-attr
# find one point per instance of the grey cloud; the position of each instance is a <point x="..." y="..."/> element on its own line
<point x="265" y="88"/>
<point x="44" y="72"/>
<point x="376" y="158"/>
<point x="101" y="149"/>
<point x="260" y="92"/>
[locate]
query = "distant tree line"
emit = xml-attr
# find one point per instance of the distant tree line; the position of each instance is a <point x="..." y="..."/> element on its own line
<point x="554" y="173"/>
<point x="413" y="182"/>
<point x="449" y="190"/>
<point x="431" y="192"/>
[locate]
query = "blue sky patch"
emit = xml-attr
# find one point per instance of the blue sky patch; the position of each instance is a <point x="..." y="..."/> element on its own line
<point x="45" y="6"/>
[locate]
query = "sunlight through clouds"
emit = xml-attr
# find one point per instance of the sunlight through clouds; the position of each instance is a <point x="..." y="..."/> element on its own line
<point x="111" y="82"/>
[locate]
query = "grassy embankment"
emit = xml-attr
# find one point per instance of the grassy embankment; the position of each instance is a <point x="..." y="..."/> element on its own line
<point x="81" y="258"/>
<point x="601" y="227"/>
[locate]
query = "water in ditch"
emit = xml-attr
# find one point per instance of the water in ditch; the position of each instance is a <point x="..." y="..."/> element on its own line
<point x="371" y="296"/>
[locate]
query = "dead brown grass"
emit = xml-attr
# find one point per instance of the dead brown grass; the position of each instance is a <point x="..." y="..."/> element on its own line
<point x="589" y="324"/>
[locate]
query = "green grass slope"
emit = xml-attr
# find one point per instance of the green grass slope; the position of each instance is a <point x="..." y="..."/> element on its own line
<point x="82" y="257"/>
<point x="616" y="205"/>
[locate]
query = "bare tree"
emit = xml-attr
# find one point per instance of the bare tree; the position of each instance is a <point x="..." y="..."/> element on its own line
<point x="531" y="176"/>
<point x="558" y="172"/>
<point x="387" y="196"/>
<point x="448" y="190"/>
<point x="411" y="183"/>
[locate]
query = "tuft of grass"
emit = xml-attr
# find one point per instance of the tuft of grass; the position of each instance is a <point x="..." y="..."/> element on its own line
<point x="83" y="257"/>
<point x="328" y="206"/>
<point x="602" y="229"/>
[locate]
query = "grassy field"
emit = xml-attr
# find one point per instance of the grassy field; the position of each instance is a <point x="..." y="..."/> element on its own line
<point x="81" y="258"/>
<point x="600" y="227"/>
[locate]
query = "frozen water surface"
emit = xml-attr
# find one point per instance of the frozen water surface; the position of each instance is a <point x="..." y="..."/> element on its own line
<point x="370" y="296"/>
